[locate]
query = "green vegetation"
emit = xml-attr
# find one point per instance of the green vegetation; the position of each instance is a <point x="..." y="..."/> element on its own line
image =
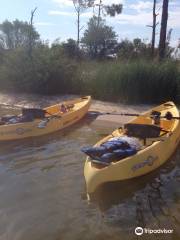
<point x="47" y="71"/>
<point x="51" y="71"/>
<point x="136" y="81"/>
<point x="29" y="65"/>
<point x="98" y="37"/>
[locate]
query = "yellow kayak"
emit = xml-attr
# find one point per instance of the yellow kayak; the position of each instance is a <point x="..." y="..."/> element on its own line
<point x="44" y="121"/>
<point x="158" y="142"/>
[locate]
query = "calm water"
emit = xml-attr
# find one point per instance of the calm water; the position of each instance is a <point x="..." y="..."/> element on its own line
<point x="42" y="189"/>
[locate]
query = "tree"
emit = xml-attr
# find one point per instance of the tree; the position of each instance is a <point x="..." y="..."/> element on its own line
<point x="16" y="34"/>
<point x="80" y="6"/>
<point x="114" y="9"/>
<point x="98" y="37"/>
<point x="169" y="50"/>
<point x="164" y="19"/>
<point x="133" y="49"/>
<point x="110" y="10"/>
<point x="155" y="23"/>
<point x="70" y="48"/>
<point x="177" y="51"/>
<point x="125" y="49"/>
<point x="31" y="38"/>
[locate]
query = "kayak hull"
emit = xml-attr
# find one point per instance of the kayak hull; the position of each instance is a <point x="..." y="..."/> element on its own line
<point x="57" y="121"/>
<point x="145" y="161"/>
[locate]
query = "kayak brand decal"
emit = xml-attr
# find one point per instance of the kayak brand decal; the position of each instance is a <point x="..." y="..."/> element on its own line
<point x="21" y="131"/>
<point x="148" y="162"/>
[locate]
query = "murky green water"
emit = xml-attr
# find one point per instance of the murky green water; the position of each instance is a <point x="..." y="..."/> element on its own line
<point x="42" y="189"/>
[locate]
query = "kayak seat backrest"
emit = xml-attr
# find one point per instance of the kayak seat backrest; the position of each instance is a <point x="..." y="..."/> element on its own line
<point x="33" y="113"/>
<point x="142" y="130"/>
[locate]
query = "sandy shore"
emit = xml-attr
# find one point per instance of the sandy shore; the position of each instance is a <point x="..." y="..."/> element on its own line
<point x="111" y="122"/>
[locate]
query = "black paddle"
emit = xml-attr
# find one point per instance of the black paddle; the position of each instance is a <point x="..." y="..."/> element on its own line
<point x="111" y="113"/>
<point x="168" y="115"/>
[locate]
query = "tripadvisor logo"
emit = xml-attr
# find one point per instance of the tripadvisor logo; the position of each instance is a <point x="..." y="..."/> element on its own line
<point x="139" y="231"/>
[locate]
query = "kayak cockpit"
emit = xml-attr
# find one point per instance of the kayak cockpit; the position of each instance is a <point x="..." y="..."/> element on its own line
<point x="125" y="142"/>
<point x="31" y="114"/>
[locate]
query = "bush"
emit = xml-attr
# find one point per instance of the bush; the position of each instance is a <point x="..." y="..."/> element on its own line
<point x="48" y="71"/>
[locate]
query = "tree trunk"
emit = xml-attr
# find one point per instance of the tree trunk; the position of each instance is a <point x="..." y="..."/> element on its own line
<point x="154" y="28"/>
<point x="164" y="19"/>
<point x="78" y="28"/>
<point x="30" y="34"/>
<point x="99" y="12"/>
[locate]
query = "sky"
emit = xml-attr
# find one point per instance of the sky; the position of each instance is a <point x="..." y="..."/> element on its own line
<point x="56" y="19"/>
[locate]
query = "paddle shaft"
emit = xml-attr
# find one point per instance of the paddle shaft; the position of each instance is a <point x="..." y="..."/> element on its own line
<point x="124" y="114"/>
<point x="138" y="115"/>
<point x="131" y="115"/>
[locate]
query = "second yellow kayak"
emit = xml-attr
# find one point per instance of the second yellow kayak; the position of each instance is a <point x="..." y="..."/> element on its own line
<point x="154" y="151"/>
<point x="56" y="117"/>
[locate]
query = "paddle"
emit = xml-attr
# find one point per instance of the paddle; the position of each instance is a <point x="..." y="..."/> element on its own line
<point x="111" y="113"/>
<point x="168" y="115"/>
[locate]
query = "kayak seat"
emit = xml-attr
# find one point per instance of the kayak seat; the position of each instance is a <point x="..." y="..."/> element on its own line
<point x="33" y="113"/>
<point x="142" y="131"/>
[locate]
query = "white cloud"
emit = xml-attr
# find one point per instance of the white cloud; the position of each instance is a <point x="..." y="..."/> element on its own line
<point x="145" y="6"/>
<point x="174" y="18"/>
<point x="141" y="6"/>
<point x="135" y="19"/>
<point x="142" y="15"/>
<point x="174" y="43"/>
<point x="69" y="3"/>
<point x="67" y="13"/>
<point x="44" y="24"/>
<point x="62" y="13"/>
<point x="87" y="14"/>
<point x="64" y="3"/>
<point x="109" y="2"/>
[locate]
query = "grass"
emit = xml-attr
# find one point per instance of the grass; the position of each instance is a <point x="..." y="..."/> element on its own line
<point x="137" y="81"/>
